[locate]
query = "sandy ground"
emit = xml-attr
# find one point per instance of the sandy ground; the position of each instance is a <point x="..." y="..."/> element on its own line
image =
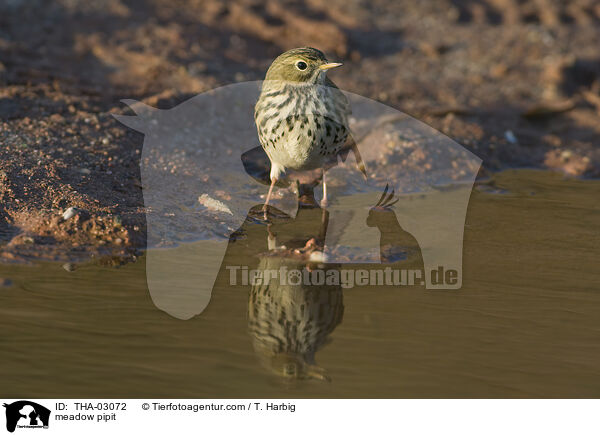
<point x="515" y="81"/>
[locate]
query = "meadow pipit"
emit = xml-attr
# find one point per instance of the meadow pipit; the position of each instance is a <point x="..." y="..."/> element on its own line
<point x="302" y="116"/>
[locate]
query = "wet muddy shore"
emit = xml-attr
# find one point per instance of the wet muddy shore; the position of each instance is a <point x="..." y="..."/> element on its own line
<point x="516" y="83"/>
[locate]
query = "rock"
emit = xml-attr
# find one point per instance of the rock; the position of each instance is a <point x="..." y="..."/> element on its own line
<point x="510" y="136"/>
<point x="213" y="204"/>
<point x="568" y="162"/>
<point x="5" y="282"/>
<point x="69" y="213"/>
<point x="317" y="257"/>
<point x="548" y="108"/>
<point x="69" y="267"/>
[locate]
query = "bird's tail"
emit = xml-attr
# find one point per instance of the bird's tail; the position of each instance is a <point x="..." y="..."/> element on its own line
<point x="351" y="146"/>
<point x="359" y="161"/>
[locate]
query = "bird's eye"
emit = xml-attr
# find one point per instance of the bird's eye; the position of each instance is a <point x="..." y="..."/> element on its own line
<point x="301" y="65"/>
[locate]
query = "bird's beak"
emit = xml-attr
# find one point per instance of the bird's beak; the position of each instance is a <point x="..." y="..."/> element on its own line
<point x="327" y="66"/>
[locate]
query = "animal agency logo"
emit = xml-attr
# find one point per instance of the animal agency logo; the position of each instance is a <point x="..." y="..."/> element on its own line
<point x="25" y="414"/>
<point x="203" y="171"/>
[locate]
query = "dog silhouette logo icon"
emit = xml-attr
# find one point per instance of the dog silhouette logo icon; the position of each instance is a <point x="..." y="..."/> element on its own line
<point x="25" y="414"/>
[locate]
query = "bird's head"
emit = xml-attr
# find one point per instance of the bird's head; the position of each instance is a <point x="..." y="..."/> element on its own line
<point x="300" y="65"/>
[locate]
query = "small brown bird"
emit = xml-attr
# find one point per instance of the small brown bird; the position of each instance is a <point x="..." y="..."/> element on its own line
<point x="302" y="117"/>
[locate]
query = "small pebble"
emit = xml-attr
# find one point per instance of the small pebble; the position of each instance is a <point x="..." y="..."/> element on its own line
<point x="566" y="154"/>
<point x="69" y="267"/>
<point x="510" y="136"/>
<point x="5" y="282"/>
<point x="214" y="204"/>
<point x="69" y="213"/>
<point x="317" y="257"/>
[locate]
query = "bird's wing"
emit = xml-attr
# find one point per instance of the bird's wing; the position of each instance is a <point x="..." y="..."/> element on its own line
<point x="339" y="98"/>
<point x="345" y="110"/>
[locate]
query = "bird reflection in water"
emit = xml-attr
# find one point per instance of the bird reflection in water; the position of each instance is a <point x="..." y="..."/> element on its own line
<point x="290" y="322"/>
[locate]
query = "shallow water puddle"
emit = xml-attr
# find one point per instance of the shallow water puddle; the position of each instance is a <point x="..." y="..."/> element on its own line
<point x="526" y="322"/>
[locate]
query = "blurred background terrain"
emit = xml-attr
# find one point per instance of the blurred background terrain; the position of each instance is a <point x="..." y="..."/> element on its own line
<point x="517" y="82"/>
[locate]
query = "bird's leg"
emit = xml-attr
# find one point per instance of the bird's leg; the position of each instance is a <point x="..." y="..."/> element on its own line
<point x="324" y="200"/>
<point x="271" y="238"/>
<point x="324" y="224"/>
<point x="273" y="181"/>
